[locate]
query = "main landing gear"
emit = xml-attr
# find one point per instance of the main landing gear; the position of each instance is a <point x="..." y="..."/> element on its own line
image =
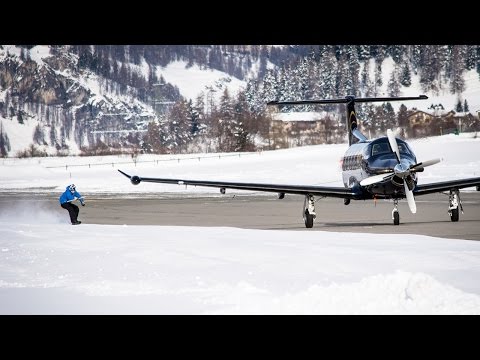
<point x="454" y="203"/>
<point x="309" y="210"/>
<point x="454" y="207"/>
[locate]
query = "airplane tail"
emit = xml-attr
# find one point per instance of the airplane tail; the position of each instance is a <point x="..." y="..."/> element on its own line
<point x="354" y="134"/>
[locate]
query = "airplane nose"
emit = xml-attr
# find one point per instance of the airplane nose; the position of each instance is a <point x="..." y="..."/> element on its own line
<point x="401" y="169"/>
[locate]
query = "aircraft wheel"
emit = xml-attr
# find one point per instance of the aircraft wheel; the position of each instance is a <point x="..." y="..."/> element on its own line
<point x="308" y="219"/>
<point x="454" y="214"/>
<point x="396" y="218"/>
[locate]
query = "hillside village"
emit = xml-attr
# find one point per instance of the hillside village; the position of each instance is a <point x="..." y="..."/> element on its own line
<point x="108" y="99"/>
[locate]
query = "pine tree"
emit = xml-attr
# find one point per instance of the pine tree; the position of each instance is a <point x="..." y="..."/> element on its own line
<point x="378" y="77"/>
<point x="363" y="52"/>
<point x="458" y="107"/>
<point x="396" y="52"/>
<point x="465" y="106"/>
<point x="457" y="82"/>
<point x="4" y="142"/>
<point x="405" y="78"/>
<point x="393" y="86"/>
<point x="364" y="76"/>
<point x="179" y="127"/>
<point x="471" y="57"/>
<point x="402" y="116"/>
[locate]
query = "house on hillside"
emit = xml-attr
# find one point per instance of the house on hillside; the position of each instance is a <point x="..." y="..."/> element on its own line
<point x="422" y="123"/>
<point x="466" y="122"/>
<point x="292" y="129"/>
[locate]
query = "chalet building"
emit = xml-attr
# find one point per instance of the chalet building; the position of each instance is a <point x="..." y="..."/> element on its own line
<point x="421" y="123"/>
<point x="298" y="129"/>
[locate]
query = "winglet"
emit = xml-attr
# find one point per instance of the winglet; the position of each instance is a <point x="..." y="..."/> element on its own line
<point x="135" y="180"/>
<point x="124" y="174"/>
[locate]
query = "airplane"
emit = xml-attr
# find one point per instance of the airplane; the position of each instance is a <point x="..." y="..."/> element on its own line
<point x="382" y="168"/>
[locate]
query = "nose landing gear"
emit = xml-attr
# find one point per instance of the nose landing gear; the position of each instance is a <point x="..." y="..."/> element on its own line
<point x="395" y="213"/>
<point x="454" y="203"/>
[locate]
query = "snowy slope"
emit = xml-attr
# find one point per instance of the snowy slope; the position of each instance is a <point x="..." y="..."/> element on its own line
<point x="194" y="80"/>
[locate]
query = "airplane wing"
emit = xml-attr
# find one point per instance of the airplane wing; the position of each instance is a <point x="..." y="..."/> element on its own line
<point x="445" y="186"/>
<point x="338" y="192"/>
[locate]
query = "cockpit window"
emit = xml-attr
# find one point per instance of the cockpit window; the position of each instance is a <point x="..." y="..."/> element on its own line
<point x="380" y="148"/>
<point x="403" y="149"/>
<point x="384" y="148"/>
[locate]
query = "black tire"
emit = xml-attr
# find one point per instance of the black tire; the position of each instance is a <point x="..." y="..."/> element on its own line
<point x="396" y="218"/>
<point x="454" y="215"/>
<point x="308" y="220"/>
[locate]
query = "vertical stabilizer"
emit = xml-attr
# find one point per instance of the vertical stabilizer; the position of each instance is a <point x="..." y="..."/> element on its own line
<point x="351" y="120"/>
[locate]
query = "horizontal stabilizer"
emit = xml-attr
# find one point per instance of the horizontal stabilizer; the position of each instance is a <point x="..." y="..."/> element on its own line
<point x="348" y="99"/>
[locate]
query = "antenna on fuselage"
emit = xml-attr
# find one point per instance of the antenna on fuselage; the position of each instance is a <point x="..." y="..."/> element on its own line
<point x="353" y="132"/>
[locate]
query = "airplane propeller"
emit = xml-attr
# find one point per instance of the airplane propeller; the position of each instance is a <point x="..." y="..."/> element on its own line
<point x="402" y="170"/>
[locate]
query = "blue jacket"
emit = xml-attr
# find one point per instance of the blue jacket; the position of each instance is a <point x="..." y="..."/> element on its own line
<point x="68" y="196"/>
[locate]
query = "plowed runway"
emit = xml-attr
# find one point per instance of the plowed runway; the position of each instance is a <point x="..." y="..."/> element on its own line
<point x="264" y="212"/>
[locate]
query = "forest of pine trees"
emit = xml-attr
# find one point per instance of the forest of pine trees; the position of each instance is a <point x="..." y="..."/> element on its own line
<point x="234" y="122"/>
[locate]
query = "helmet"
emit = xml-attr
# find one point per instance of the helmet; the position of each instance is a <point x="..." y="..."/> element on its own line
<point x="72" y="188"/>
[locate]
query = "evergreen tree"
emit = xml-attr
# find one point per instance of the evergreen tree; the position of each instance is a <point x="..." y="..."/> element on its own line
<point x="155" y="139"/>
<point x="405" y="77"/>
<point x="415" y="57"/>
<point x="457" y="82"/>
<point x="4" y="142"/>
<point x="393" y="86"/>
<point x="227" y="124"/>
<point x="194" y="119"/>
<point x="363" y="52"/>
<point x="179" y="127"/>
<point x="354" y="69"/>
<point x="38" y="136"/>
<point x="402" y="116"/>
<point x="471" y="57"/>
<point x="459" y="107"/>
<point x="378" y="77"/>
<point x="396" y="52"/>
<point x="365" y="76"/>
<point x="465" y="106"/>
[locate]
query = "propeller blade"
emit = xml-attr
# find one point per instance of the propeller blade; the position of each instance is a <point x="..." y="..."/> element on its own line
<point x="376" y="178"/>
<point x="393" y="143"/>
<point x="410" y="198"/>
<point x="423" y="164"/>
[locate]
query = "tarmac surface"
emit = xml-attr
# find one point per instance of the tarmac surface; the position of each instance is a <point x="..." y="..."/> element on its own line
<point x="260" y="211"/>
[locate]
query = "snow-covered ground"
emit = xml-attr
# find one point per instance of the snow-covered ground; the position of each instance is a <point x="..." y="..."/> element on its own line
<point x="48" y="266"/>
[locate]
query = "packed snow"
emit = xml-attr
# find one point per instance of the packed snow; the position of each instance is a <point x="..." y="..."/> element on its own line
<point x="48" y="266"/>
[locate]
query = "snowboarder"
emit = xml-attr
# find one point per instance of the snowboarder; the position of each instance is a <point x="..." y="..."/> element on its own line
<point x="66" y="202"/>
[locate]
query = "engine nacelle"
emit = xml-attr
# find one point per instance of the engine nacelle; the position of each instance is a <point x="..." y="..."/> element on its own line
<point x="135" y="180"/>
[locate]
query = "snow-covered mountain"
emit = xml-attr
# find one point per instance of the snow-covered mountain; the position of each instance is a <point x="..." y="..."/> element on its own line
<point x="47" y="100"/>
<point x="72" y="100"/>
